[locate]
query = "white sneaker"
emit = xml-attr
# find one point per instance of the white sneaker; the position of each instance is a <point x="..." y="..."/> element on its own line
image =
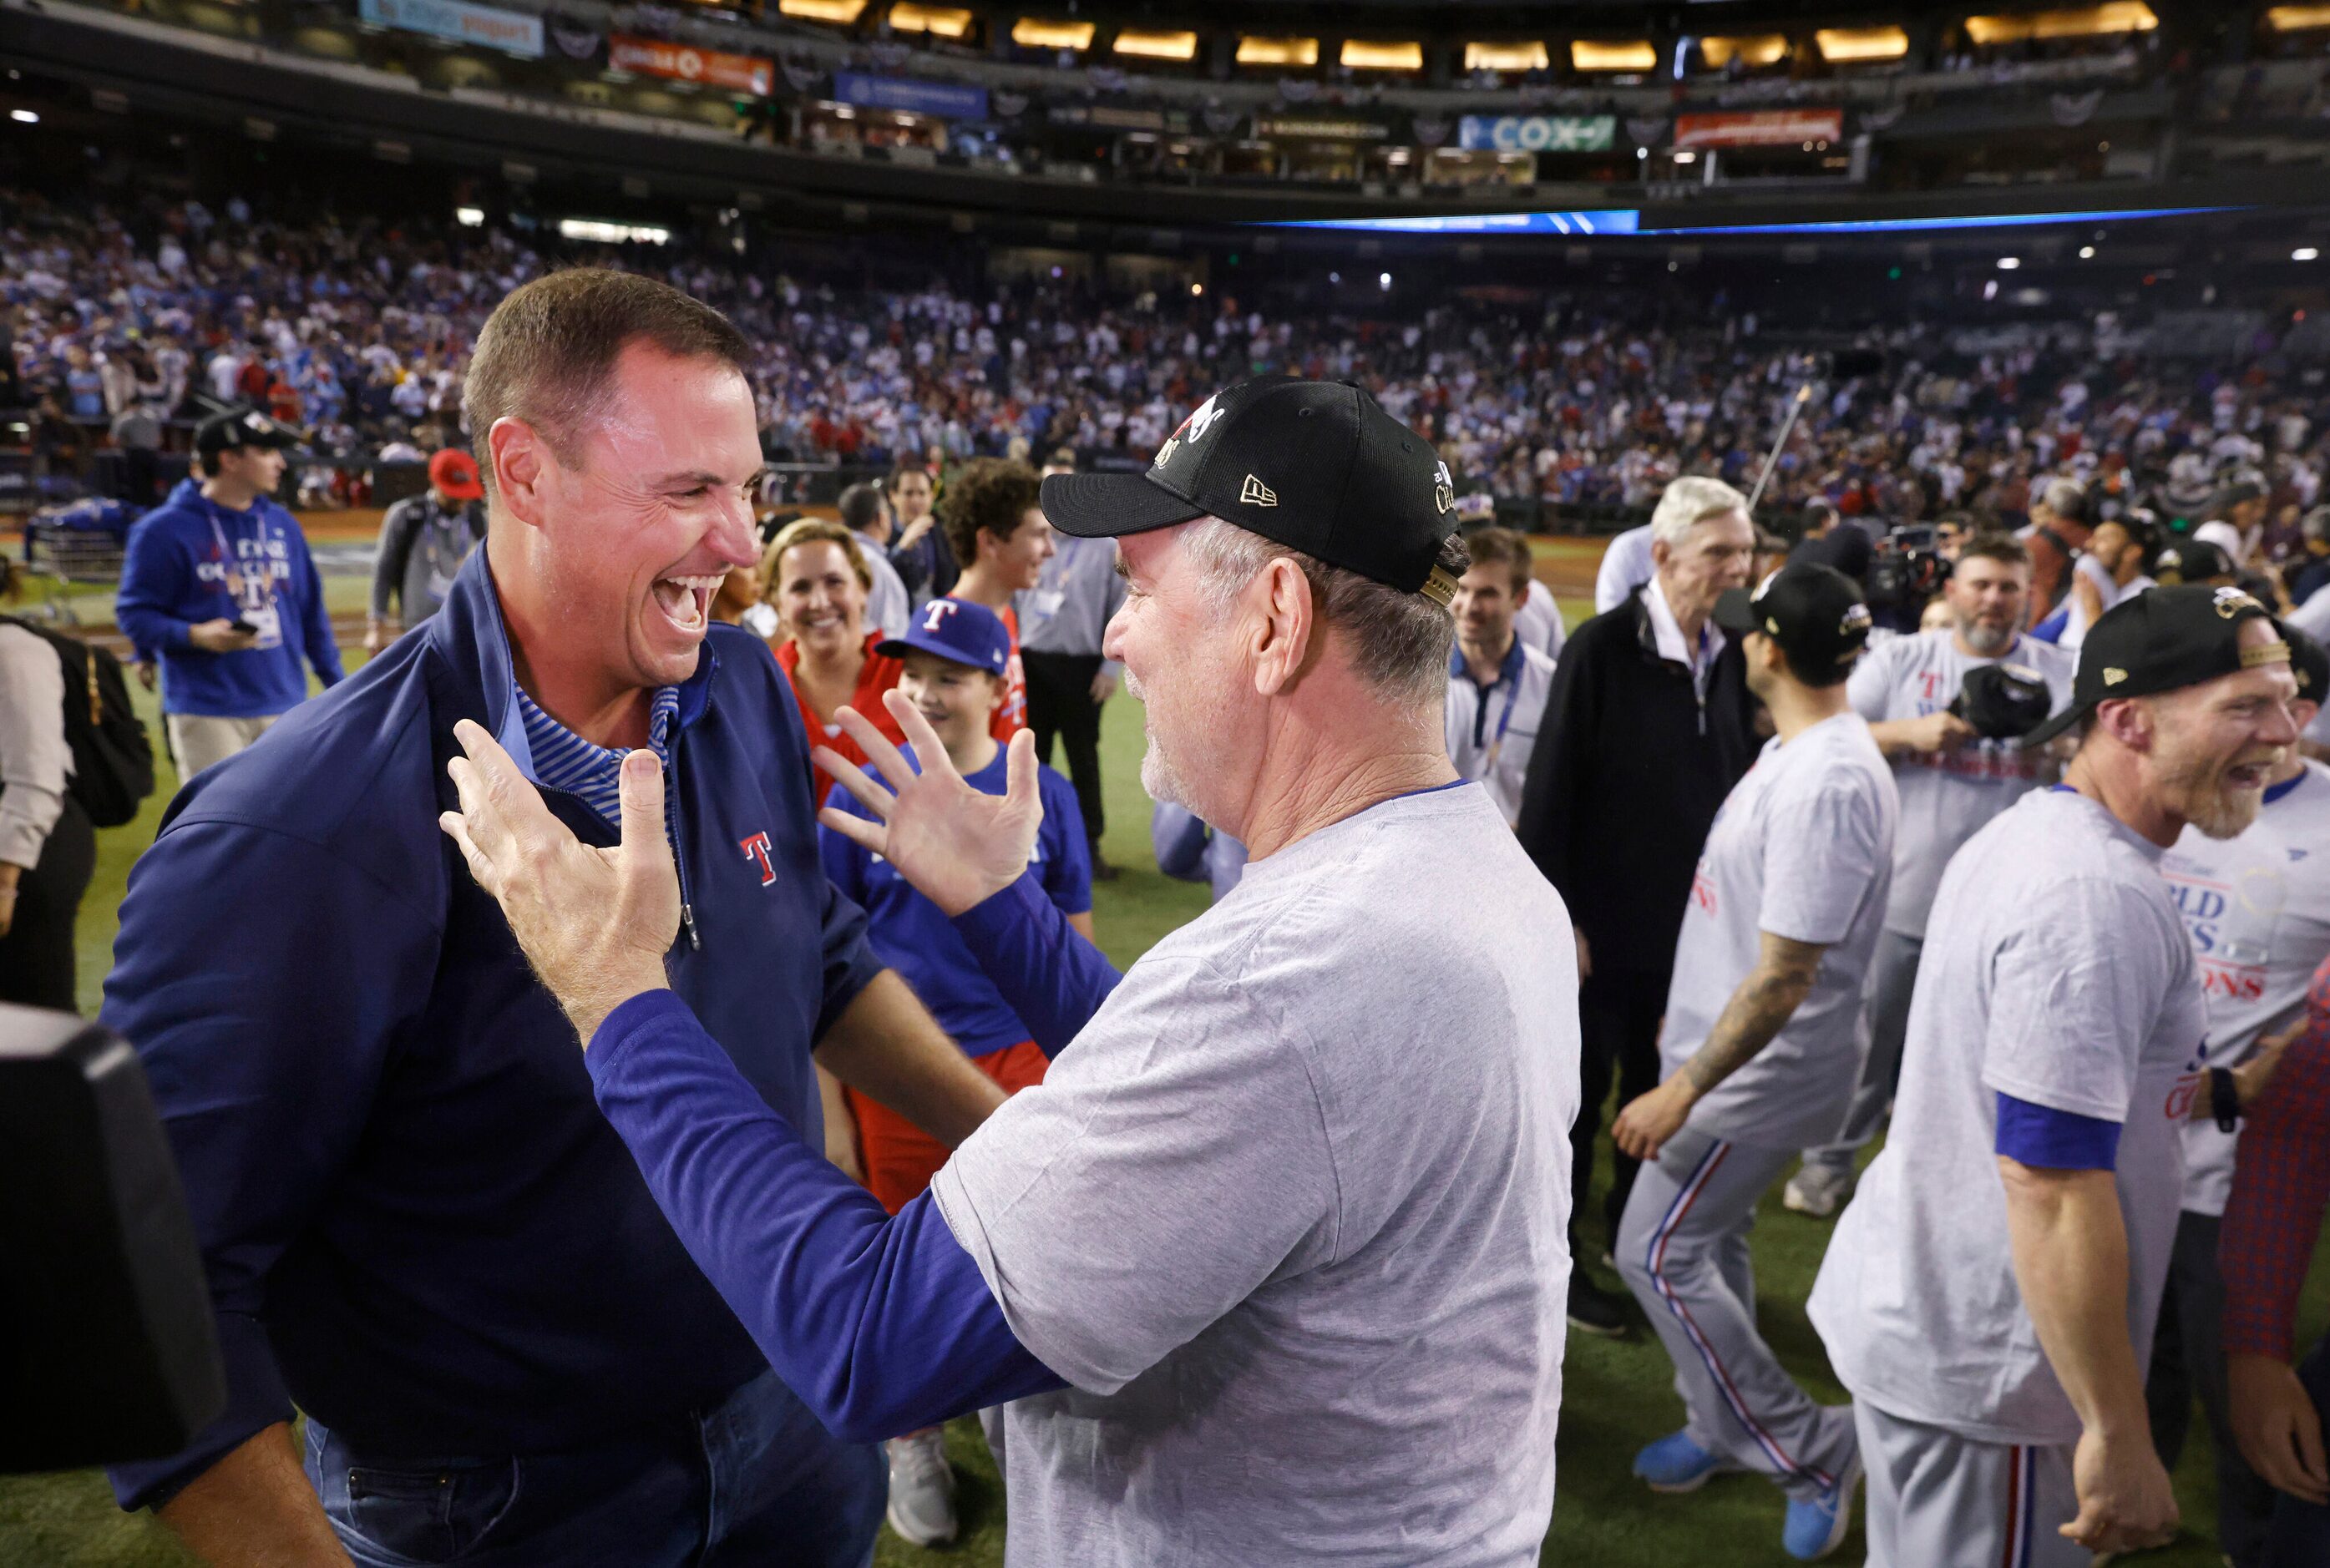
<point x="1816" y="1190"/>
<point x="922" y="1487"/>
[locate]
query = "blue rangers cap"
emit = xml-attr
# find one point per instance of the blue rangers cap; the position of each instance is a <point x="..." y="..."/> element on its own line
<point x="954" y="628"/>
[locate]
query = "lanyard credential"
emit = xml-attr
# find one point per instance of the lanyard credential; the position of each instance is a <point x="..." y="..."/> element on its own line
<point x="1505" y="721"/>
<point x="230" y="567"/>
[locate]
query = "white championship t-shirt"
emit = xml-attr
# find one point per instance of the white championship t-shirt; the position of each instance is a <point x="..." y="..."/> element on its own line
<point x="1492" y="734"/>
<point x="2257" y="907"/>
<point x="1946" y="796"/>
<point x="2056" y="970"/>
<point x="1802" y="848"/>
<point x="1290" y="1214"/>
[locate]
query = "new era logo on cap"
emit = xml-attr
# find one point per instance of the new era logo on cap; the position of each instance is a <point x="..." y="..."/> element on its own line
<point x="1255" y="493"/>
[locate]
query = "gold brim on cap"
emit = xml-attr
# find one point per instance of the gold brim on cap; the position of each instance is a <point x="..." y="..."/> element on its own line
<point x="2265" y="653"/>
<point x="1440" y="588"/>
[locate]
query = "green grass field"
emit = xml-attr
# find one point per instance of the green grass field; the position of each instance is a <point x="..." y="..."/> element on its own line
<point x="1617" y="1395"/>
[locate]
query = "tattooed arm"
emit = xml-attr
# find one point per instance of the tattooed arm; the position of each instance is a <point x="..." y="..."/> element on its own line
<point x="1764" y="1003"/>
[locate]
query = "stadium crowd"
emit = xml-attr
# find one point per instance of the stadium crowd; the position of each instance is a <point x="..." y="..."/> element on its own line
<point x="359" y="331"/>
<point x="1808" y="870"/>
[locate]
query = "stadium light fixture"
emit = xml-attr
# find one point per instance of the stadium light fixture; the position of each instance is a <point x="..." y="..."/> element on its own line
<point x="940" y="21"/>
<point x="2009" y="263"/>
<point x="1154" y="45"/>
<point x="1990" y="289"/>
<point x="841" y="13"/>
<point x="1860" y="45"/>
<point x="1277" y="50"/>
<point x="1492" y="55"/>
<point x="1196" y="289"/>
<point x="1595" y="54"/>
<point x="469" y="217"/>
<point x="1362" y="54"/>
<point x="1036" y="33"/>
<point x="2086" y="253"/>
<point x="23" y="117"/>
<point x="1753" y="49"/>
<point x="2298" y="18"/>
<point x="1686" y="156"/>
<point x="2305" y="253"/>
<point x="600" y="232"/>
<point x="1383" y="282"/>
<point x="2086" y="22"/>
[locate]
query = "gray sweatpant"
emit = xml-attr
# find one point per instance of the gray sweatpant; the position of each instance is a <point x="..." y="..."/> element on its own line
<point x="1683" y="1248"/>
<point x="1939" y="1500"/>
<point x="1892" y="975"/>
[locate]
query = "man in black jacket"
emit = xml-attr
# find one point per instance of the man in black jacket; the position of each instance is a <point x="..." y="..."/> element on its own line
<point x="1648" y="727"/>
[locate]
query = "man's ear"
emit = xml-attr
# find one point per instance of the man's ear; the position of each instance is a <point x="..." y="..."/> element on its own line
<point x="523" y="466"/>
<point x="2133" y="722"/>
<point x="1287" y="630"/>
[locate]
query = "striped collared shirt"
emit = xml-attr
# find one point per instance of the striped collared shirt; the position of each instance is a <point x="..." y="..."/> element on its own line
<point x="564" y="759"/>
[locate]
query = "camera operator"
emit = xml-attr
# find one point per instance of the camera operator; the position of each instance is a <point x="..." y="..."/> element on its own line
<point x="1952" y="781"/>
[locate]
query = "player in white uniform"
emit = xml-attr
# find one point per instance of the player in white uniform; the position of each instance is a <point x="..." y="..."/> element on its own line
<point x="1760" y="1047"/>
<point x="1625" y="566"/>
<point x="2258" y="909"/>
<point x="1990" y="1295"/>
<point x="1952" y="781"/>
<point x="1497" y="682"/>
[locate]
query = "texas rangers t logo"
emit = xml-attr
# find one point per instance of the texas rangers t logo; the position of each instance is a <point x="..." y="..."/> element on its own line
<point x="757" y="848"/>
<point x="934" y="613"/>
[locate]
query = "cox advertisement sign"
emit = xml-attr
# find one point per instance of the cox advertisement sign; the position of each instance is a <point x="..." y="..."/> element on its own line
<point x="1539" y="133"/>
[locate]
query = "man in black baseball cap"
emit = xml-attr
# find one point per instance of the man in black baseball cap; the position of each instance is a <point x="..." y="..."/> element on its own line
<point x="2165" y="640"/>
<point x="238" y="429"/>
<point x="1761" y="1049"/>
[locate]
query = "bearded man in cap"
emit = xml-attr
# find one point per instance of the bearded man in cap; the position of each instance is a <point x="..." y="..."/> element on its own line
<point x="423" y="540"/>
<point x="1991" y="1293"/>
<point x="1262" y="1293"/>
<point x="217" y="581"/>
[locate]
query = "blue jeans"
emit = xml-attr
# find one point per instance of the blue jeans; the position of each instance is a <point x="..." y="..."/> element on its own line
<point x="754" y="1482"/>
<point x="2299" y="1535"/>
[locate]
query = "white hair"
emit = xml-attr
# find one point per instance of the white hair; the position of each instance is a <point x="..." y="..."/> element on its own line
<point x="1399" y="642"/>
<point x="1689" y="502"/>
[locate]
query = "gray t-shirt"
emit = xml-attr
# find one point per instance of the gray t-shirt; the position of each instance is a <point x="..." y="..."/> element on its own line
<point x="1802" y="848"/>
<point x="1946" y="796"/>
<point x="1290" y="1214"/>
<point x="2055" y="970"/>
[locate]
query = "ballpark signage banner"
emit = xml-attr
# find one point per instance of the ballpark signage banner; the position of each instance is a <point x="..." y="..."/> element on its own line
<point x="511" y="31"/>
<point x="1539" y="133"/>
<point x="911" y="95"/>
<point x="1320" y="129"/>
<point x="1771" y="127"/>
<point x="708" y="67"/>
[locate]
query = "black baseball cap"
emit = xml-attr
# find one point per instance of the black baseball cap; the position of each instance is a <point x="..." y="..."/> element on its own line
<point x="2309" y="663"/>
<point x="2002" y="701"/>
<point x="1814" y="613"/>
<point x="2161" y="640"/>
<point x="1316" y="465"/>
<point x="239" y="428"/>
<point x="2192" y="561"/>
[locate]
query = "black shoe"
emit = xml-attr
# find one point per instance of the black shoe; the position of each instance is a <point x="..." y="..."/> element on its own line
<point x="1102" y="871"/>
<point x="1593" y="1309"/>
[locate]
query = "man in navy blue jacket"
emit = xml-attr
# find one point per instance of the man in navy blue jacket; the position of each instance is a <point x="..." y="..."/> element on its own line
<point x="416" y="1224"/>
<point x="218" y="581"/>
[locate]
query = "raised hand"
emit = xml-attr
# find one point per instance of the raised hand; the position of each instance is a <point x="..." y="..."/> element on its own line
<point x="594" y="923"/>
<point x="954" y="845"/>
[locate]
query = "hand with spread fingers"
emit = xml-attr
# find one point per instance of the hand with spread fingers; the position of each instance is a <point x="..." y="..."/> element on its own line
<point x="594" y="923"/>
<point x="954" y="845"/>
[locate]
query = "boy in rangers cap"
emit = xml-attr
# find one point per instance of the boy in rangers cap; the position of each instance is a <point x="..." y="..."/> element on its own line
<point x="1991" y="1293"/>
<point x="1762" y="1044"/>
<point x="956" y="658"/>
<point x="218" y="582"/>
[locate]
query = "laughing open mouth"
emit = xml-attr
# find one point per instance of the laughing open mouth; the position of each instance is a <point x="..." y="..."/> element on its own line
<point x="687" y="601"/>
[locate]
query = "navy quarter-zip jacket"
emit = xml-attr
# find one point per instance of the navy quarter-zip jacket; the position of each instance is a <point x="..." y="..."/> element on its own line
<point x="415" y="1220"/>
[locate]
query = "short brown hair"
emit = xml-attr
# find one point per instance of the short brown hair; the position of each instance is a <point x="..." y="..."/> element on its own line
<point x="1503" y="545"/>
<point x="811" y="531"/>
<point x="547" y="354"/>
<point x="1995" y="544"/>
<point x="991" y="496"/>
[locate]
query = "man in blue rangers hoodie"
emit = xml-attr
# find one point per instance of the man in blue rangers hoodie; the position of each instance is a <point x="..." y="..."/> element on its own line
<point x="416" y="1224"/>
<point x="218" y="581"/>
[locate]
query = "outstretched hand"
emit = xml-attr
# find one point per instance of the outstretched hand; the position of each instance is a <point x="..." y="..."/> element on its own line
<point x="954" y="845"/>
<point x="594" y="923"/>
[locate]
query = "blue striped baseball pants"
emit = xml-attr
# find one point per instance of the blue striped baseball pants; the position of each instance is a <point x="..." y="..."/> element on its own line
<point x="1683" y="1248"/>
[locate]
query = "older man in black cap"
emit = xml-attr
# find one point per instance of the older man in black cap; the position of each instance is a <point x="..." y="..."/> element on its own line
<point x="217" y="581"/>
<point x="1264" y="1290"/>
